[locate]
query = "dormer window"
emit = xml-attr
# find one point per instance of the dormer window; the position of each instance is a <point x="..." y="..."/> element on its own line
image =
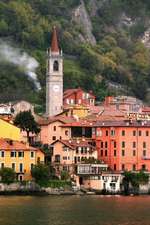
<point x="56" y="66"/>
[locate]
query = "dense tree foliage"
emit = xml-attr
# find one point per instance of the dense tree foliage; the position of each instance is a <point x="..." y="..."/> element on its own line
<point x="40" y="173"/>
<point x="7" y="175"/>
<point x="26" y="122"/>
<point x="119" y="56"/>
<point x="134" y="180"/>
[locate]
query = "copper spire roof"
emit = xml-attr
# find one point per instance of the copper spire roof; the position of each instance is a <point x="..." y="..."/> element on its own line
<point x="54" y="43"/>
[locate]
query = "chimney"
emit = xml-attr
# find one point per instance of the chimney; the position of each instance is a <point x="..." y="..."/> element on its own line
<point x="10" y="142"/>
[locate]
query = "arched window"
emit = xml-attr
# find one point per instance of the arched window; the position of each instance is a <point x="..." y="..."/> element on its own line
<point x="55" y="66"/>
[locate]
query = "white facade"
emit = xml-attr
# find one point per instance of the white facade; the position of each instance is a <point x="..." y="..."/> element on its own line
<point x="96" y="177"/>
<point x="111" y="182"/>
<point x="5" y="109"/>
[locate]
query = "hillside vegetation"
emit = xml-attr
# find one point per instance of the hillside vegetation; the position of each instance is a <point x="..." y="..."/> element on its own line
<point x="113" y="53"/>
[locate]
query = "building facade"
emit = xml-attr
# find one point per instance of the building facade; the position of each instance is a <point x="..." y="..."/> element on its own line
<point x="97" y="177"/>
<point x="78" y="97"/>
<point x="124" y="103"/>
<point x="52" y="129"/>
<point x="123" y="145"/>
<point x="20" y="157"/>
<point x="54" y="78"/>
<point x="68" y="153"/>
<point x="8" y="130"/>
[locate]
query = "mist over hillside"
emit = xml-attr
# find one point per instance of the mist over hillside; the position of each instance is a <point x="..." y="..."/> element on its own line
<point x="106" y="46"/>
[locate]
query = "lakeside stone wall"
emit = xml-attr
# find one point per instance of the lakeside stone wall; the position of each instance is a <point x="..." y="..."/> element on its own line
<point x="29" y="186"/>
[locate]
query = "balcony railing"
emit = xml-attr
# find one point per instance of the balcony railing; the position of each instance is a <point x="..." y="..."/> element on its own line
<point x="89" y="169"/>
<point x="146" y="157"/>
<point x="57" y="161"/>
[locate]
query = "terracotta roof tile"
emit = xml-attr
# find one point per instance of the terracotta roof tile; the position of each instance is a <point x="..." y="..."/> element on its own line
<point x="69" y="92"/>
<point x="146" y="109"/>
<point x="125" y="123"/>
<point x="7" y="144"/>
<point x="49" y="120"/>
<point x="54" y="43"/>
<point x="75" y="143"/>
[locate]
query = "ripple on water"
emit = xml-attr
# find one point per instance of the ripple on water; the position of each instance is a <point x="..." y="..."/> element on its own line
<point x="75" y="210"/>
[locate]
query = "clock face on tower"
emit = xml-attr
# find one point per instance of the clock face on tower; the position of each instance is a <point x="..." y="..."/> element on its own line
<point x="56" y="88"/>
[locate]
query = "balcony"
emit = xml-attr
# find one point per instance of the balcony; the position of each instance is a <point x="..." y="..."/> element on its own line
<point x="57" y="161"/>
<point x="145" y="158"/>
<point x="91" y="169"/>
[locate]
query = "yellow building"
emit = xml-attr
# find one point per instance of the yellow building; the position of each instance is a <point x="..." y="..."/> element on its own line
<point x="78" y="111"/>
<point x="20" y="157"/>
<point x="8" y="130"/>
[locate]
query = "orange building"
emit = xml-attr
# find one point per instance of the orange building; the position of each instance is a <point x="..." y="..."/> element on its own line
<point x="123" y="145"/>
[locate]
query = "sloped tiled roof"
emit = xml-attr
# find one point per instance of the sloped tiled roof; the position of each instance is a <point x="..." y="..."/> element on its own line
<point x="146" y="109"/>
<point x="49" y="120"/>
<point x="69" y="92"/>
<point x="125" y="123"/>
<point x="75" y="143"/>
<point x="7" y="144"/>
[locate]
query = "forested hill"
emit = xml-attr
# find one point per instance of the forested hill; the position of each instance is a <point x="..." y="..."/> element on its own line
<point x="105" y="44"/>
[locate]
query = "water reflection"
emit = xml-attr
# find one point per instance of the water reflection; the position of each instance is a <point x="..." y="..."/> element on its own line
<point x="75" y="210"/>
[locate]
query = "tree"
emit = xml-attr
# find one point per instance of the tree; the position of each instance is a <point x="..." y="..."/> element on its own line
<point x="7" y="175"/>
<point x="40" y="173"/>
<point x="26" y="122"/>
<point x="3" y="27"/>
<point x="64" y="175"/>
<point x="135" y="180"/>
<point x="92" y="160"/>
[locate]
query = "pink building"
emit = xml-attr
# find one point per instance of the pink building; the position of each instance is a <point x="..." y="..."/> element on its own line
<point x="68" y="153"/>
<point x="52" y="129"/>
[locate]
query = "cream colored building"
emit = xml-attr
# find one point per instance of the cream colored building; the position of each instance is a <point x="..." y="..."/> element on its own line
<point x="68" y="153"/>
<point x="21" y="106"/>
<point x="97" y="177"/>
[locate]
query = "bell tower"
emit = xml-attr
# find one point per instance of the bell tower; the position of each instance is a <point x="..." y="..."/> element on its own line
<point x="54" y="78"/>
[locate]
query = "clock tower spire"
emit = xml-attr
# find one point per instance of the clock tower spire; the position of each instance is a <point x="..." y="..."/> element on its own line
<point x="54" y="78"/>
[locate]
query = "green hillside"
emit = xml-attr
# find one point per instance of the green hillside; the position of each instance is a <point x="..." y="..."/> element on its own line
<point x="102" y="56"/>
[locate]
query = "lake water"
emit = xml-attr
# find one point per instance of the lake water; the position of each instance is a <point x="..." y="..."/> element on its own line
<point x="75" y="210"/>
